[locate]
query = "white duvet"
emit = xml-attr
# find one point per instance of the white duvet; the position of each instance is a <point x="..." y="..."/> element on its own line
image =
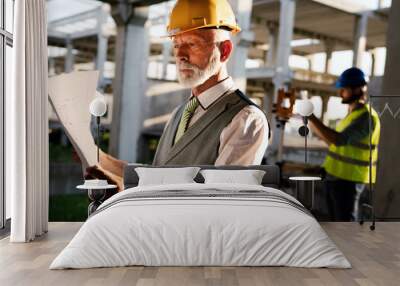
<point x="185" y="230"/>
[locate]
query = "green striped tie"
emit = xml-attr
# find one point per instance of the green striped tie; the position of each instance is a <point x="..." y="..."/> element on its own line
<point x="190" y="107"/>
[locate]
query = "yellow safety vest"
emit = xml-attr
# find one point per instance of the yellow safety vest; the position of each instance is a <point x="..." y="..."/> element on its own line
<point x="352" y="162"/>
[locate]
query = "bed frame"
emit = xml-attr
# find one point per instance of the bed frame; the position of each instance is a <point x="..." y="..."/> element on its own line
<point x="270" y="179"/>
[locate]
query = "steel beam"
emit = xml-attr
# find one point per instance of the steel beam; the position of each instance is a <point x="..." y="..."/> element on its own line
<point x="84" y="34"/>
<point x="263" y="2"/>
<point x="310" y="34"/>
<point x="350" y="7"/>
<point x="56" y="34"/>
<point x="75" y="18"/>
<point x="73" y="36"/>
<point x="134" y="3"/>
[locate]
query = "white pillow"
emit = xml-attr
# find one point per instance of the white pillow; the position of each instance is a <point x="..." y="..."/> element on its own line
<point x="247" y="177"/>
<point x="163" y="176"/>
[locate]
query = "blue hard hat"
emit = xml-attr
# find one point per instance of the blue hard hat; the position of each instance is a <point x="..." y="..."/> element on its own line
<point x="352" y="77"/>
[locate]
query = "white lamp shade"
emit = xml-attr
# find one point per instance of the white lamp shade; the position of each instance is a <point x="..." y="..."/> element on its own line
<point x="98" y="107"/>
<point x="304" y="107"/>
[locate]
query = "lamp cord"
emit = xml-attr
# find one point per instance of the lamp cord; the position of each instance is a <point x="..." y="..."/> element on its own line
<point x="98" y="138"/>
<point x="305" y="147"/>
<point x="305" y="121"/>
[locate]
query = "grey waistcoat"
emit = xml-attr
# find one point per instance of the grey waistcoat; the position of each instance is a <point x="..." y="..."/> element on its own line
<point x="200" y="143"/>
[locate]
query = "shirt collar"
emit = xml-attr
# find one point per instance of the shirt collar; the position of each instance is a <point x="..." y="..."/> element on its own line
<point x="211" y="95"/>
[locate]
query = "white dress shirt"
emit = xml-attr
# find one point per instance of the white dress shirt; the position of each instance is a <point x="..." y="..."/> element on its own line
<point x="245" y="139"/>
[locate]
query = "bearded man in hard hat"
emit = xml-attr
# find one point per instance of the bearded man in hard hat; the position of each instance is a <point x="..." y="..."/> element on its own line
<point x="218" y="124"/>
<point x="351" y="145"/>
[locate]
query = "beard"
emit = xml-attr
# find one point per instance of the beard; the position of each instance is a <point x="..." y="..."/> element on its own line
<point x="355" y="96"/>
<point x="198" y="76"/>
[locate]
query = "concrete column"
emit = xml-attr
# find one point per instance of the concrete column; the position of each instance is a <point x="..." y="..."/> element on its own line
<point x="310" y="62"/>
<point x="102" y="44"/>
<point x="167" y="50"/>
<point x="268" y="100"/>
<point x="328" y="61"/>
<point x="325" y="100"/>
<point x="373" y="62"/>
<point x="282" y="72"/>
<point x="52" y="66"/>
<point x="101" y="58"/>
<point x="130" y="82"/>
<point x="166" y="55"/>
<point x="286" y="20"/>
<point x="272" y="46"/>
<point x="360" y="39"/>
<point x="380" y="4"/>
<point x="268" y="107"/>
<point x="237" y="62"/>
<point x="387" y="198"/>
<point x="69" y="57"/>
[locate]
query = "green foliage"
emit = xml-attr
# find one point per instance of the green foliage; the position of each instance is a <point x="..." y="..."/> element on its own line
<point x="152" y="144"/>
<point x="59" y="153"/>
<point x="68" y="207"/>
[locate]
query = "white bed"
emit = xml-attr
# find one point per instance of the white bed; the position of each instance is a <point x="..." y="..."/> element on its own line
<point x="201" y="225"/>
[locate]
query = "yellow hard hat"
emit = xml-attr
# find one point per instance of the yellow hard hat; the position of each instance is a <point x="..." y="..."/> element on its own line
<point x="189" y="15"/>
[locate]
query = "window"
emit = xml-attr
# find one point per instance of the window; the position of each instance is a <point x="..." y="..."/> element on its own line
<point x="6" y="43"/>
<point x="9" y="12"/>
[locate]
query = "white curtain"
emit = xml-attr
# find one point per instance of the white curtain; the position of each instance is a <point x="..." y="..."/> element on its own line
<point x="27" y="123"/>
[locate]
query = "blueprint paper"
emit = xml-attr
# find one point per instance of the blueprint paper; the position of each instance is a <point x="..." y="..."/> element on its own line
<point x="70" y="95"/>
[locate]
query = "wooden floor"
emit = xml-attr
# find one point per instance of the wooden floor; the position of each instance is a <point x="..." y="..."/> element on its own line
<point x="375" y="257"/>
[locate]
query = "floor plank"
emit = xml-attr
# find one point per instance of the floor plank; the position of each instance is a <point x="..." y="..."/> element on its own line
<point x="375" y="257"/>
